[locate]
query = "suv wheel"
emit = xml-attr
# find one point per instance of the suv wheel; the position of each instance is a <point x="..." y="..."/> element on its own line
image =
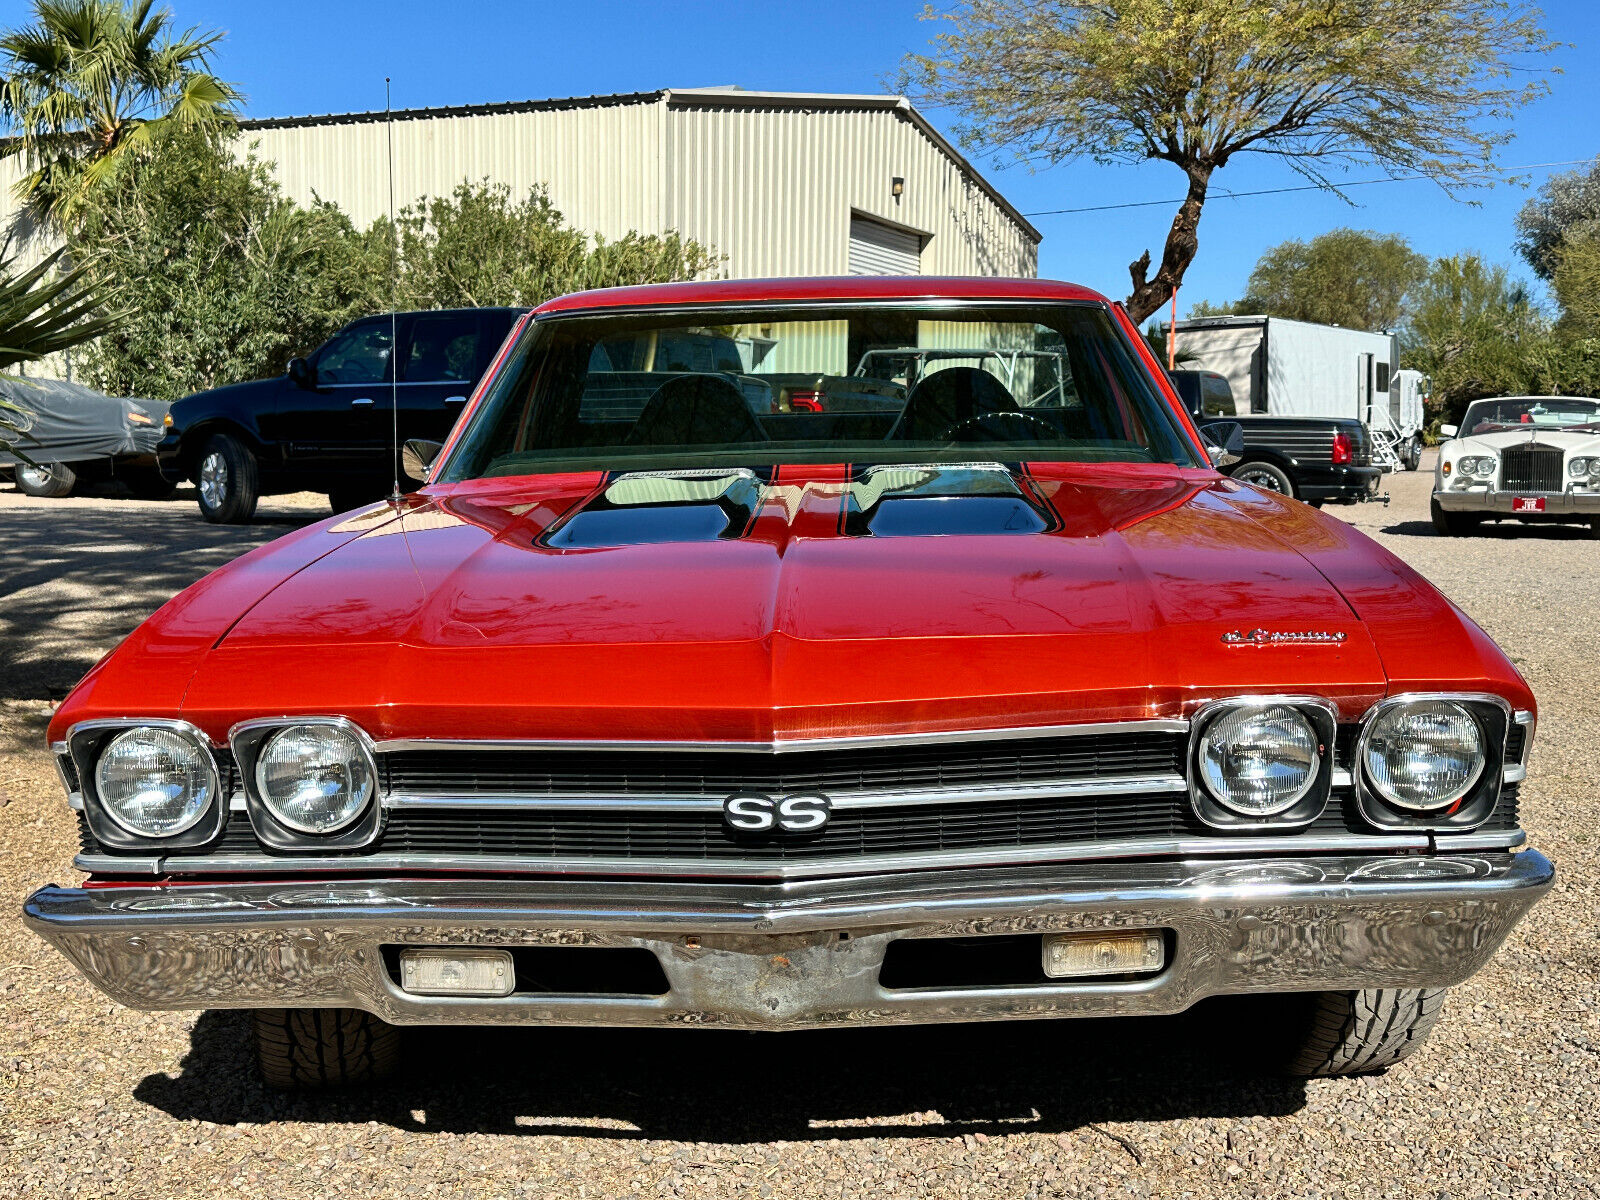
<point x="1453" y="524"/>
<point x="323" y="1047"/>
<point x="227" y="481"/>
<point x="1413" y="453"/>
<point x="1353" y="1033"/>
<point x="1264" y="475"/>
<point x="47" y="480"/>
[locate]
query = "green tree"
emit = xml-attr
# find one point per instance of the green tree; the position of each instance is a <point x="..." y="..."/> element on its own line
<point x="1413" y="86"/>
<point x="480" y="247"/>
<point x="1476" y="332"/>
<point x="42" y="310"/>
<point x="1576" y="282"/>
<point x="221" y="277"/>
<point x="93" y="83"/>
<point x="1342" y="277"/>
<point x="1567" y="204"/>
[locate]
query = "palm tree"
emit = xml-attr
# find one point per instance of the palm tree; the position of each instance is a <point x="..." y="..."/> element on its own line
<point x="94" y="82"/>
<point x="38" y="316"/>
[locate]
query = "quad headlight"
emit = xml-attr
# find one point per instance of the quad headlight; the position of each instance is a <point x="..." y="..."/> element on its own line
<point x="154" y="781"/>
<point x="1424" y="755"/>
<point x="315" y="778"/>
<point x="1479" y="466"/>
<point x="1584" y="468"/>
<point x="1259" y="760"/>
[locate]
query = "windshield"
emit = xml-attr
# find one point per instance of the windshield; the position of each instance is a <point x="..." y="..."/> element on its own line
<point x="853" y="384"/>
<point x="1557" y="412"/>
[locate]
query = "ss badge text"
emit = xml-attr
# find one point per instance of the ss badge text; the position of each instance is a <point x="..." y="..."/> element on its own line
<point x="753" y="812"/>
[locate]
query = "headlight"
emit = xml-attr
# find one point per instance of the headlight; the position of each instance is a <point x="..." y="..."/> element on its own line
<point x="1578" y="468"/>
<point x="1481" y="466"/>
<point x="1258" y="760"/>
<point x="314" y="778"/>
<point x="155" y="782"/>
<point x="1424" y="754"/>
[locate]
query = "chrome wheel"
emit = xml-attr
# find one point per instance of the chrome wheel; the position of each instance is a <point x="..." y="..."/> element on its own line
<point x="34" y="477"/>
<point x="1263" y="477"/>
<point x="213" y="480"/>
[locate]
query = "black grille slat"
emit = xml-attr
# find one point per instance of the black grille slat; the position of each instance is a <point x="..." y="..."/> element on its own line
<point x="1531" y="468"/>
<point x="842" y="771"/>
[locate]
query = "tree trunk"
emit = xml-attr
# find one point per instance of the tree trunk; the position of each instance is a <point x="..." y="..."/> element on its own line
<point x="1149" y="295"/>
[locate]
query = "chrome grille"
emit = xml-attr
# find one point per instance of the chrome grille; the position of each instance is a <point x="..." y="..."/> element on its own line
<point x="1530" y="468"/>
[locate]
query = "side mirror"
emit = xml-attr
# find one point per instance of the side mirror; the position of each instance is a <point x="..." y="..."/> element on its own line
<point x="300" y="373"/>
<point x="1449" y="431"/>
<point x="417" y="458"/>
<point x="1224" y="442"/>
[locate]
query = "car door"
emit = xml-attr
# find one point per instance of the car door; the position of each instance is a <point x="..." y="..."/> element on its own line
<point x="339" y="421"/>
<point x="442" y="356"/>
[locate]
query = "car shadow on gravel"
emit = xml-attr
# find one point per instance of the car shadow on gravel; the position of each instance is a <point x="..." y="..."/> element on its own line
<point x="1548" y="533"/>
<point x="703" y="1085"/>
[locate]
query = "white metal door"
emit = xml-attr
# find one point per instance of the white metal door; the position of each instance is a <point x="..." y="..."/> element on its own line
<point x="879" y="249"/>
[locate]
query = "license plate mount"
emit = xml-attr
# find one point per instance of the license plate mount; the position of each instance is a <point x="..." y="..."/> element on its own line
<point x="1527" y="504"/>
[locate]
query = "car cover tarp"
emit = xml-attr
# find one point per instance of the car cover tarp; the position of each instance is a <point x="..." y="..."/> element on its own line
<point x="67" y="422"/>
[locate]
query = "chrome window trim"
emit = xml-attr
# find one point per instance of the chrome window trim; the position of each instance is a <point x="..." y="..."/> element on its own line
<point x="212" y="820"/>
<point x="1213" y="708"/>
<point x="246" y="739"/>
<point x="1364" y="789"/>
<point x="700" y="802"/>
<point x="792" y="745"/>
<point x="764" y="869"/>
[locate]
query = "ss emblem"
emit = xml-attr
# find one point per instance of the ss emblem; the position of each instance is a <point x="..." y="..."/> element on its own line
<point x="753" y="812"/>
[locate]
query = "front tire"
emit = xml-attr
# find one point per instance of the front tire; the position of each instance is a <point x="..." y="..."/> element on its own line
<point x="48" y="481"/>
<point x="227" y="481"/>
<point x="1355" y="1033"/>
<point x="323" y="1047"/>
<point x="1452" y="524"/>
<point x="1264" y="475"/>
<point x="1413" y="458"/>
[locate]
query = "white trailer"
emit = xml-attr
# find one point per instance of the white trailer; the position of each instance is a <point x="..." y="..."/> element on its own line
<point x="1297" y="369"/>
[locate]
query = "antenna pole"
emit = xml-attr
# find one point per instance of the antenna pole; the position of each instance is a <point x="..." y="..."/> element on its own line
<point x="394" y="339"/>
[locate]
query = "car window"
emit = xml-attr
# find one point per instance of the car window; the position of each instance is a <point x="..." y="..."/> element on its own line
<point x="444" y="348"/>
<point x="359" y="354"/>
<point x="857" y="384"/>
<point x="1218" y="396"/>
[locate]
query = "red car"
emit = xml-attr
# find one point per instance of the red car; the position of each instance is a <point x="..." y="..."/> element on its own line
<point x="661" y="705"/>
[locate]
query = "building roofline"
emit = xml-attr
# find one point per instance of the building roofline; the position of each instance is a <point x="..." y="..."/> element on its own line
<point x="720" y="97"/>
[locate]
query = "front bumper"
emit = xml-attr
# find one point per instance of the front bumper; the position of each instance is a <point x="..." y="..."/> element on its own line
<point x="1482" y="500"/>
<point x="801" y="955"/>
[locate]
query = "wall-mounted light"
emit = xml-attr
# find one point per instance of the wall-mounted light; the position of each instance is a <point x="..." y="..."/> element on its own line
<point x="897" y="187"/>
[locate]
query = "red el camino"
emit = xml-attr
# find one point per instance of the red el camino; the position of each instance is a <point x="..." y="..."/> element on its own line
<point x="797" y="653"/>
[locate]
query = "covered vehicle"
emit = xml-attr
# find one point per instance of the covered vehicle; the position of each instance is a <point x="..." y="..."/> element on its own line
<point x="1001" y="705"/>
<point x="1534" y="459"/>
<point x="73" y="433"/>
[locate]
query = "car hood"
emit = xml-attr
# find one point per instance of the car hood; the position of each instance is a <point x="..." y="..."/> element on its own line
<point x="542" y="608"/>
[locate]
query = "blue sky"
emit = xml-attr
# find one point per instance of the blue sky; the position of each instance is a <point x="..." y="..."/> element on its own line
<point x="295" y="56"/>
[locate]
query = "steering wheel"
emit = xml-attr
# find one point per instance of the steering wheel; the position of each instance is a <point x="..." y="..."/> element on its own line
<point x="1037" y="428"/>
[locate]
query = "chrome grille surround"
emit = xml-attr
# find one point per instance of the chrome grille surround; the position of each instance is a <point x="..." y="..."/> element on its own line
<point x="1531" y="467"/>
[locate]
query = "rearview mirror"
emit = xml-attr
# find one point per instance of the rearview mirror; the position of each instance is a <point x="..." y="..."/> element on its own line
<point x="1449" y="431"/>
<point x="417" y="458"/>
<point x="300" y="373"/>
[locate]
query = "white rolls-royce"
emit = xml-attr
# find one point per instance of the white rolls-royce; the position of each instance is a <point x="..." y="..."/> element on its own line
<point x="1520" y="458"/>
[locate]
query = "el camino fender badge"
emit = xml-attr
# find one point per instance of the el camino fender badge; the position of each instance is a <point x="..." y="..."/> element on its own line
<point x="1282" y="637"/>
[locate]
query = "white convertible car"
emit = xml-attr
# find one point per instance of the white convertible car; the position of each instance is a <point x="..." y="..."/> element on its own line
<point x="1520" y="458"/>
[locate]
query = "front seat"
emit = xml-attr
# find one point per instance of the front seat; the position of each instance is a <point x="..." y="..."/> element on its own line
<point x="695" y="410"/>
<point x="947" y="398"/>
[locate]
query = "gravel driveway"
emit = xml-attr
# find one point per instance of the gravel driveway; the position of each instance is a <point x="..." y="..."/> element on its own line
<point x="101" y="1101"/>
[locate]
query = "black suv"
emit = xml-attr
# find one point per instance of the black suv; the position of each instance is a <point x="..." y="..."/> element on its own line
<point x="327" y="425"/>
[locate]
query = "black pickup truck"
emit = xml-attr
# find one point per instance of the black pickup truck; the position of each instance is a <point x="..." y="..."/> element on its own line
<point x="328" y="424"/>
<point x="1321" y="460"/>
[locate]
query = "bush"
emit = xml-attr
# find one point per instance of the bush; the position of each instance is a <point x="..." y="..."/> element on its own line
<point x="220" y="278"/>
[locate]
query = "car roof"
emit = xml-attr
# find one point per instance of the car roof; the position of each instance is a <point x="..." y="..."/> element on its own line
<point x="821" y="288"/>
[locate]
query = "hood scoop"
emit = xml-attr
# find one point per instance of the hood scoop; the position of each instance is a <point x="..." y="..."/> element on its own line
<point x="644" y="508"/>
<point x="917" y="501"/>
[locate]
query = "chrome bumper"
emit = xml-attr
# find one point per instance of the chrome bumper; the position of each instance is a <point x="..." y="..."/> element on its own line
<point x="1482" y="500"/>
<point x="792" y="956"/>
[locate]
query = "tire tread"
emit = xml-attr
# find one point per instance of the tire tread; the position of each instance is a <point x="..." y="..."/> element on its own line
<point x="323" y="1047"/>
<point x="1353" y="1033"/>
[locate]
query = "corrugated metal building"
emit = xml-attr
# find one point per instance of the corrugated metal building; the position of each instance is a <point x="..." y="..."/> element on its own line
<point x="778" y="183"/>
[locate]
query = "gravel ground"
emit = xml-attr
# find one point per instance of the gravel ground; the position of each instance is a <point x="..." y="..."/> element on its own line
<point x="98" y="1100"/>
